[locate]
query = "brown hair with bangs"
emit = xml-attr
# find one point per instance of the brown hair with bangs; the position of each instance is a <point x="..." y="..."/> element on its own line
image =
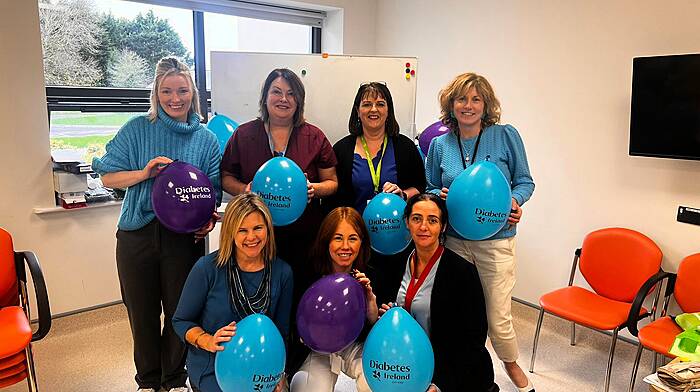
<point x="297" y="88"/>
<point x="459" y="87"/>
<point x="373" y="90"/>
<point x="321" y="259"/>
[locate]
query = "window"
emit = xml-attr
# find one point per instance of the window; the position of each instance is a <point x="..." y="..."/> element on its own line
<point x="233" y="33"/>
<point x="100" y="56"/>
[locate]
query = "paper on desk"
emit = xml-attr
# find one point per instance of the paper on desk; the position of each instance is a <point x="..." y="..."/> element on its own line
<point x="653" y="379"/>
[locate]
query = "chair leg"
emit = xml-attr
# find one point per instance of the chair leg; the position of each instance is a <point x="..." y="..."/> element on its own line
<point x="610" y="359"/>
<point x="654" y="362"/>
<point x="573" y="333"/>
<point x="31" y="374"/>
<point x="635" y="366"/>
<point x="537" y="338"/>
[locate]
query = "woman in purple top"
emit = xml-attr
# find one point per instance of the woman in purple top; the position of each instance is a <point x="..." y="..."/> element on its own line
<point x="281" y="130"/>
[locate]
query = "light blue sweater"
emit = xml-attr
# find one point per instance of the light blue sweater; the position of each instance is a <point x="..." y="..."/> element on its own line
<point x="139" y="141"/>
<point x="499" y="144"/>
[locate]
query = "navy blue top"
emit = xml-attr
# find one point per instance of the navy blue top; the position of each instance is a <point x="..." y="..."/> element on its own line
<point x="362" y="179"/>
<point x="206" y="302"/>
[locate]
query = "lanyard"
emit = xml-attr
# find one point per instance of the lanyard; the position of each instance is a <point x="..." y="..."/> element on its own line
<point x="272" y="143"/>
<point x="413" y="285"/>
<point x="461" y="150"/>
<point x="378" y="172"/>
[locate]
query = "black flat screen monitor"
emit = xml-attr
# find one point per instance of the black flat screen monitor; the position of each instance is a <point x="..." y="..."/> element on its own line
<point x="665" y="120"/>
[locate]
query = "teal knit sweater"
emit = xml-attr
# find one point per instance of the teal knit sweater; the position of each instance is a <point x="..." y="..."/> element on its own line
<point x="499" y="144"/>
<point x="139" y="141"/>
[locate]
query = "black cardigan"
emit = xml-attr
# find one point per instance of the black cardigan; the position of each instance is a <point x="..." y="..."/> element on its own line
<point x="410" y="171"/>
<point x="458" y="328"/>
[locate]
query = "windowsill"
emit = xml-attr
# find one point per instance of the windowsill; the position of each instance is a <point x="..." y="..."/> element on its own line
<point x="50" y="210"/>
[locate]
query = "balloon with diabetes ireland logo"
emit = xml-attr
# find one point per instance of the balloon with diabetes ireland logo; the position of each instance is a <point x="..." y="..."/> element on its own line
<point x="254" y="359"/>
<point x="398" y="356"/>
<point x="383" y="216"/>
<point x="182" y="197"/>
<point x="479" y="201"/>
<point x="282" y="185"/>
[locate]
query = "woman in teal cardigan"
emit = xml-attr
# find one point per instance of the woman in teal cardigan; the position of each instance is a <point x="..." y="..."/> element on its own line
<point x="152" y="261"/>
<point x="243" y="277"/>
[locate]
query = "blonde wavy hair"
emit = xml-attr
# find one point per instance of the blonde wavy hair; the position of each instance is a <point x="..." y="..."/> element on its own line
<point x="458" y="87"/>
<point x="238" y="209"/>
<point x="168" y="66"/>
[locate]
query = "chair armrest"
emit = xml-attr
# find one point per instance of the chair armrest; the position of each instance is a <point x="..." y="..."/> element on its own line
<point x="577" y="255"/>
<point x="42" y="297"/>
<point x="634" y="317"/>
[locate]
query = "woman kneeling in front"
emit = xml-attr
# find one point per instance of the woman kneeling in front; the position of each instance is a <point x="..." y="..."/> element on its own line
<point x="241" y="278"/>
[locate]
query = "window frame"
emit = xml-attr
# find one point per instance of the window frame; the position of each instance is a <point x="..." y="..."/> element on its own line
<point x="111" y="99"/>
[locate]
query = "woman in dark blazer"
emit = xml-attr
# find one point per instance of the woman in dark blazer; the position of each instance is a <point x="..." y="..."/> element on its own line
<point x="443" y="293"/>
<point x="375" y="158"/>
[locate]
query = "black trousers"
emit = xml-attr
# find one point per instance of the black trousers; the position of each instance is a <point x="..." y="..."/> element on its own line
<point x="153" y="263"/>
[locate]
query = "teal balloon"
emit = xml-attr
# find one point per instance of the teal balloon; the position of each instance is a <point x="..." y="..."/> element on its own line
<point x="223" y="127"/>
<point x="398" y="356"/>
<point x="383" y="217"/>
<point x="479" y="201"/>
<point x="254" y="359"/>
<point x="282" y="185"/>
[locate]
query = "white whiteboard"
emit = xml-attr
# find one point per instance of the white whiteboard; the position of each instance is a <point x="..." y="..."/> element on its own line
<point x="331" y="84"/>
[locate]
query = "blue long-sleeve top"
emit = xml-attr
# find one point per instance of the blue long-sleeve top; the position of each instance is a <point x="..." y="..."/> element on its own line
<point x="139" y="140"/>
<point x="499" y="144"/>
<point x="205" y="302"/>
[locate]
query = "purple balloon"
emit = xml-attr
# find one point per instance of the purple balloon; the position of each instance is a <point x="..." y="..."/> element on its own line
<point x="331" y="313"/>
<point x="183" y="198"/>
<point x="432" y="131"/>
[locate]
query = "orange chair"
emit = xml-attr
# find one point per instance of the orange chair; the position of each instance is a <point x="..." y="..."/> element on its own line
<point x="16" y="361"/>
<point x="616" y="263"/>
<point x="658" y="336"/>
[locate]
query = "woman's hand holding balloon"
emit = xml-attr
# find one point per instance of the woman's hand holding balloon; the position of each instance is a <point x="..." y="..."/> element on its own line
<point x="282" y="385"/>
<point x="201" y="233"/>
<point x="391" y="188"/>
<point x="372" y="311"/>
<point x="154" y="166"/>
<point x="515" y="213"/>
<point x="385" y="307"/>
<point x="443" y="193"/>
<point x="310" y="191"/>
<point x="223" y="334"/>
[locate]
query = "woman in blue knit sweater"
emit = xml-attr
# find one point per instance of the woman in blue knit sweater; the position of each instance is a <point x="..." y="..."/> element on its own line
<point x="152" y="261"/>
<point x="470" y="108"/>
<point x="241" y="278"/>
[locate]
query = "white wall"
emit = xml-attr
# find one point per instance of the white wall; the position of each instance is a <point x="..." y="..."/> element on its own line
<point x="562" y="71"/>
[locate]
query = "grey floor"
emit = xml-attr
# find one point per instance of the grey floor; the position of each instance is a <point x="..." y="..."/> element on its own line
<point x="91" y="351"/>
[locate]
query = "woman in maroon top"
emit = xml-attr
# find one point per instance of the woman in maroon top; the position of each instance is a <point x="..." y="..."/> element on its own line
<point x="281" y="130"/>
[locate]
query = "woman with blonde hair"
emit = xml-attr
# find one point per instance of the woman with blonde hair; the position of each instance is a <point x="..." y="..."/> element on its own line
<point x="152" y="261"/>
<point x="470" y="108"/>
<point x="241" y="278"/>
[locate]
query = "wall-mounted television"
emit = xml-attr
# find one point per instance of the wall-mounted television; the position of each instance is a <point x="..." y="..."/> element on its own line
<point x="665" y="115"/>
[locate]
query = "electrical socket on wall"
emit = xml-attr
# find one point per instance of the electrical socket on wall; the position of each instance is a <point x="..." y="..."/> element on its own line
<point x="688" y="215"/>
